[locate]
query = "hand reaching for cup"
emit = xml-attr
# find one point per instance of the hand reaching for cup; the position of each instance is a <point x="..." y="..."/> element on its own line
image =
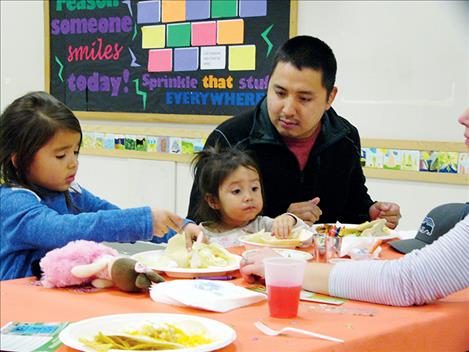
<point x="252" y="267"/>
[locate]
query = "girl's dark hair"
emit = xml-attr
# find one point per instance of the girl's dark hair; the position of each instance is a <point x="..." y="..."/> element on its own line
<point x="212" y="166"/>
<point x="304" y="51"/>
<point x="26" y="125"/>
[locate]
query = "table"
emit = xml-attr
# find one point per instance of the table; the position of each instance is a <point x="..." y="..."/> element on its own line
<point x="440" y="326"/>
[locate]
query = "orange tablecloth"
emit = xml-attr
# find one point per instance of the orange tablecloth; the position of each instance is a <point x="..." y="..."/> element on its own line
<point x="440" y="326"/>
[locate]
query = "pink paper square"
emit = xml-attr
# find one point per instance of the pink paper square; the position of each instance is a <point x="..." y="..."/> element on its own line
<point x="160" y="60"/>
<point x="204" y="33"/>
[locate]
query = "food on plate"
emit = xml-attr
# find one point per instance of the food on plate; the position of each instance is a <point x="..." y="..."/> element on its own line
<point x="152" y="337"/>
<point x="374" y="228"/>
<point x="297" y="237"/>
<point x="201" y="256"/>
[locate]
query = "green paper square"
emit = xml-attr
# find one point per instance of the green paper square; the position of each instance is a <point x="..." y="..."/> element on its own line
<point x="224" y="8"/>
<point x="179" y="35"/>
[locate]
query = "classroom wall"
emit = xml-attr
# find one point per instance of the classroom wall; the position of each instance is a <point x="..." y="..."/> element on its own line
<point x="403" y="73"/>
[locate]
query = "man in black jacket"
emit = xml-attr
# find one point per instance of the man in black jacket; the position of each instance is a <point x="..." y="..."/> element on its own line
<point x="308" y="155"/>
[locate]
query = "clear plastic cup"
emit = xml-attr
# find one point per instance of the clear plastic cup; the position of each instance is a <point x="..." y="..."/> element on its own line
<point x="326" y="247"/>
<point x="284" y="279"/>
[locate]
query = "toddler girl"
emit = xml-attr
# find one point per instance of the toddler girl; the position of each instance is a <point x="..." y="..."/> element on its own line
<point x="232" y="199"/>
<point x="42" y="208"/>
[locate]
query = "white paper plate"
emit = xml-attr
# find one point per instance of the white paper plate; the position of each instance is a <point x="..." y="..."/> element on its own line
<point x="150" y="259"/>
<point x="287" y="253"/>
<point x="251" y="245"/>
<point x="221" y="334"/>
<point x="392" y="234"/>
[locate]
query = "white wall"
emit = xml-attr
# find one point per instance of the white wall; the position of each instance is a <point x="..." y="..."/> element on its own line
<point x="403" y="74"/>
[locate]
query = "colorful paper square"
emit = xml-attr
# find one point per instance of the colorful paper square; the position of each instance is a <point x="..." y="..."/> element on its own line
<point x="242" y="58"/>
<point x="186" y="59"/>
<point x="213" y="58"/>
<point x="160" y="60"/>
<point x="148" y="12"/>
<point x="224" y="8"/>
<point x="173" y="10"/>
<point x="230" y="32"/>
<point x="153" y="36"/>
<point x="99" y="140"/>
<point x="179" y="35"/>
<point x="197" y="10"/>
<point x="204" y="33"/>
<point x="252" y="8"/>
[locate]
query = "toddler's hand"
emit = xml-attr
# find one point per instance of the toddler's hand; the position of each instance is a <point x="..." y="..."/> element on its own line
<point x="194" y="233"/>
<point x="282" y="226"/>
<point x="164" y="219"/>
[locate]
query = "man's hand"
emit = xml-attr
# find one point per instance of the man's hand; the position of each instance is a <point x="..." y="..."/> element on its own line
<point x="386" y="210"/>
<point x="164" y="219"/>
<point x="282" y="226"/>
<point x="307" y="211"/>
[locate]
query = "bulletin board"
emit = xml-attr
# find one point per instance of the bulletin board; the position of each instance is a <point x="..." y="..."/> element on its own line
<point x="187" y="61"/>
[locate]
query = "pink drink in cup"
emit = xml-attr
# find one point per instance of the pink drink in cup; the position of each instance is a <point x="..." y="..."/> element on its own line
<point x="284" y="278"/>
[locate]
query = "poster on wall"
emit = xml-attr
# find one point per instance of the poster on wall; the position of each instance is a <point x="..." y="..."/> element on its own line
<point x="178" y="60"/>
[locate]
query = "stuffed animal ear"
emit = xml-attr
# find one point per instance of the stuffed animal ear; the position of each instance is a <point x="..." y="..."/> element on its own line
<point x="87" y="270"/>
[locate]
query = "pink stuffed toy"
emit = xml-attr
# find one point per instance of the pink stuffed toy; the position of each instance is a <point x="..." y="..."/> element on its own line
<point x="58" y="263"/>
<point x="85" y="262"/>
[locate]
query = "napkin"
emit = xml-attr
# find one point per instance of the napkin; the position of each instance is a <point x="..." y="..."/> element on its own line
<point x="217" y="296"/>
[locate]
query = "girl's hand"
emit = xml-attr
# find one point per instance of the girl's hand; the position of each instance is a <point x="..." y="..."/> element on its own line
<point x="193" y="234"/>
<point x="163" y="220"/>
<point x="282" y="226"/>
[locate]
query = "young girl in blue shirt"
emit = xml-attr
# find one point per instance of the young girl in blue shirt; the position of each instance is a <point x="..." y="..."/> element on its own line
<point x="41" y="207"/>
<point x="230" y="184"/>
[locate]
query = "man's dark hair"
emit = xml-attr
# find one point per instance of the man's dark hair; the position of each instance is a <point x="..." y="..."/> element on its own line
<point x="308" y="52"/>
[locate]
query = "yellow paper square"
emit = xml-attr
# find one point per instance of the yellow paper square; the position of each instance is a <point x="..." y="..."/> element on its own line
<point x="242" y="58"/>
<point x="153" y="37"/>
<point x="230" y="32"/>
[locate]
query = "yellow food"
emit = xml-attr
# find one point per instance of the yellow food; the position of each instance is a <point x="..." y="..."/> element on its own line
<point x="152" y="338"/>
<point x="296" y="238"/>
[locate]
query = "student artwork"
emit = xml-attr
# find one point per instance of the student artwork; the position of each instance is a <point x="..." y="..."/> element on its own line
<point x="163" y="144"/>
<point x="176" y="145"/>
<point x="130" y="142"/>
<point x="463" y="164"/>
<point x="392" y="159"/>
<point x="375" y="158"/>
<point x="108" y="141"/>
<point x="410" y="160"/>
<point x="141" y="144"/>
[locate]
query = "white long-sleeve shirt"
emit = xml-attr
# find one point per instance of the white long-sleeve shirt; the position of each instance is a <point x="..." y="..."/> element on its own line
<point x="419" y="277"/>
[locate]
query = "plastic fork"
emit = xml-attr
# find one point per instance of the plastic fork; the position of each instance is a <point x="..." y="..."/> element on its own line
<point x="271" y="332"/>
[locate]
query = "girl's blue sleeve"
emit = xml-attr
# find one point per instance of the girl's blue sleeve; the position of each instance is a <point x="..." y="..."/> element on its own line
<point x="27" y="224"/>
